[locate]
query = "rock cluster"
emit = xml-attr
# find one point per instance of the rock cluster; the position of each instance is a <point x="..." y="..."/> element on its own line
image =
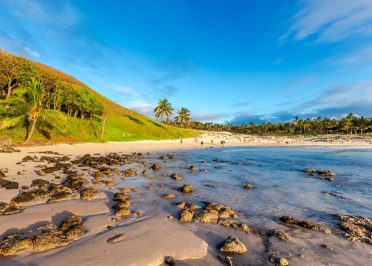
<point x="305" y="224"/>
<point x="322" y="174"/>
<point x="356" y="228"/>
<point x="211" y="213"/>
<point x="47" y="237"/>
<point x="121" y="208"/>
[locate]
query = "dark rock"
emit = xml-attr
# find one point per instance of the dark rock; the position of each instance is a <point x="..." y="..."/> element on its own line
<point x="187" y="188"/>
<point x="168" y="260"/>
<point x="176" y="177"/>
<point x="305" y="224"/>
<point x="155" y="167"/>
<point x="169" y="196"/>
<point x="248" y="186"/>
<point x="8" y="184"/>
<point x="115" y="238"/>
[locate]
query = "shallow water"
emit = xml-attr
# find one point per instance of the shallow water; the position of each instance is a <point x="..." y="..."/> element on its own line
<point x="280" y="185"/>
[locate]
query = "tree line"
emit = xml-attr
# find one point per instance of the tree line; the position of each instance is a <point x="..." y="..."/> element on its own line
<point x="351" y="124"/>
<point x="26" y="92"/>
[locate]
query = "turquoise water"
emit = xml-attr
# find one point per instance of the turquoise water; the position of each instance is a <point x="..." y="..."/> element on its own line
<point x="280" y="185"/>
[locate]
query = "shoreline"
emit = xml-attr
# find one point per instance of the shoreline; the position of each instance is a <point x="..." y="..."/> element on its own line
<point x="209" y="139"/>
<point x="159" y="218"/>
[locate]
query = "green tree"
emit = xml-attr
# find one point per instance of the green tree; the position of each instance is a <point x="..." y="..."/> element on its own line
<point x="30" y="100"/>
<point x="183" y="116"/>
<point x="9" y="73"/>
<point x="164" y="108"/>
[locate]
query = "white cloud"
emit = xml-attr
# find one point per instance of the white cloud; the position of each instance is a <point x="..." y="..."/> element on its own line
<point x="124" y="89"/>
<point x="331" y="20"/>
<point x="31" y="52"/>
<point x="142" y="107"/>
<point x="209" y="117"/>
<point x="56" y="13"/>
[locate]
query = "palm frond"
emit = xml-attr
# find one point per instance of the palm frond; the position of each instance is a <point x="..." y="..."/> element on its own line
<point x="55" y="119"/>
<point x="11" y="122"/>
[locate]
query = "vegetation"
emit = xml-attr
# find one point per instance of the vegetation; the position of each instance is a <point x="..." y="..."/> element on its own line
<point x="350" y="124"/>
<point x="164" y="108"/>
<point x="183" y="117"/>
<point x="41" y="104"/>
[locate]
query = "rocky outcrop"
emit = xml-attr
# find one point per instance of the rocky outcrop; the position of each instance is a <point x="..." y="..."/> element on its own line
<point x="49" y="238"/>
<point x="305" y="224"/>
<point x="356" y="228"/>
<point x="322" y="174"/>
<point x="121" y="208"/>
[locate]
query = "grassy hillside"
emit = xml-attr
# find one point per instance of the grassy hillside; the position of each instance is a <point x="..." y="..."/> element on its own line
<point x="121" y="125"/>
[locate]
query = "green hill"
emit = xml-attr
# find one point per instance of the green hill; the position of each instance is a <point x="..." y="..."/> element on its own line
<point x="83" y="124"/>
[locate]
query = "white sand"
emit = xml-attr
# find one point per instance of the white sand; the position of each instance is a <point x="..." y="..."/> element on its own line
<point x="148" y="239"/>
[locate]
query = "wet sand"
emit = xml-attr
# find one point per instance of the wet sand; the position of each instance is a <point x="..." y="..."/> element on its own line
<point x="157" y="233"/>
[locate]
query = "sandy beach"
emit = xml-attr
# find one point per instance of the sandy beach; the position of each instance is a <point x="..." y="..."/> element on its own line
<point x="151" y="231"/>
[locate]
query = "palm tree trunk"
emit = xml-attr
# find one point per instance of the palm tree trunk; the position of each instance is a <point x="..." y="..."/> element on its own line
<point x="31" y="131"/>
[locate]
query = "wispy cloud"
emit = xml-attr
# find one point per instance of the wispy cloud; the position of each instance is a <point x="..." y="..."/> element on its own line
<point x="356" y="57"/>
<point x="336" y="101"/>
<point x="331" y="20"/>
<point x="300" y="82"/>
<point x="123" y="89"/>
<point x="210" y="117"/>
<point x="240" y="104"/>
<point x="58" y="13"/>
<point x="143" y="107"/>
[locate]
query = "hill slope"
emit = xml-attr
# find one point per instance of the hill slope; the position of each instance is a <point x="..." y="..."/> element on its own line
<point x="121" y="125"/>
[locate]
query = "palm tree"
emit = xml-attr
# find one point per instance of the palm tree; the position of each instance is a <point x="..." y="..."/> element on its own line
<point x="164" y="108"/>
<point x="183" y="116"/>
<point x="30" y="101"/>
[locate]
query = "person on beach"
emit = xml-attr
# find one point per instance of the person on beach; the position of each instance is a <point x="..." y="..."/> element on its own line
<point x="201" y="143"/>
<point x="181" y="141"/>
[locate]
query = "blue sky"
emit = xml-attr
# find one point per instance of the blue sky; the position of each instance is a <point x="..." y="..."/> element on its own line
<point x="225" y="60"/>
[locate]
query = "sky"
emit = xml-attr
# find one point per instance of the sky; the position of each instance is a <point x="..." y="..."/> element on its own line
<point x="227" y="61"/>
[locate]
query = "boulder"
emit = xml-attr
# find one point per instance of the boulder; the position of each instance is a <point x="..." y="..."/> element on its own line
<point x="232" y="245"/>
<point x="89" y="193"/>
<point x="59" y="196"/>
<point x="176" y="177"/>
<point x="155" y="167"/>
<point x="186" y="215"/>
<point x="248" y="186"/>
<point x="208" y="217"/>
<point x="120" y="197"/>
<point x="187" y="188"/>
<point x="169" y="196"/>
